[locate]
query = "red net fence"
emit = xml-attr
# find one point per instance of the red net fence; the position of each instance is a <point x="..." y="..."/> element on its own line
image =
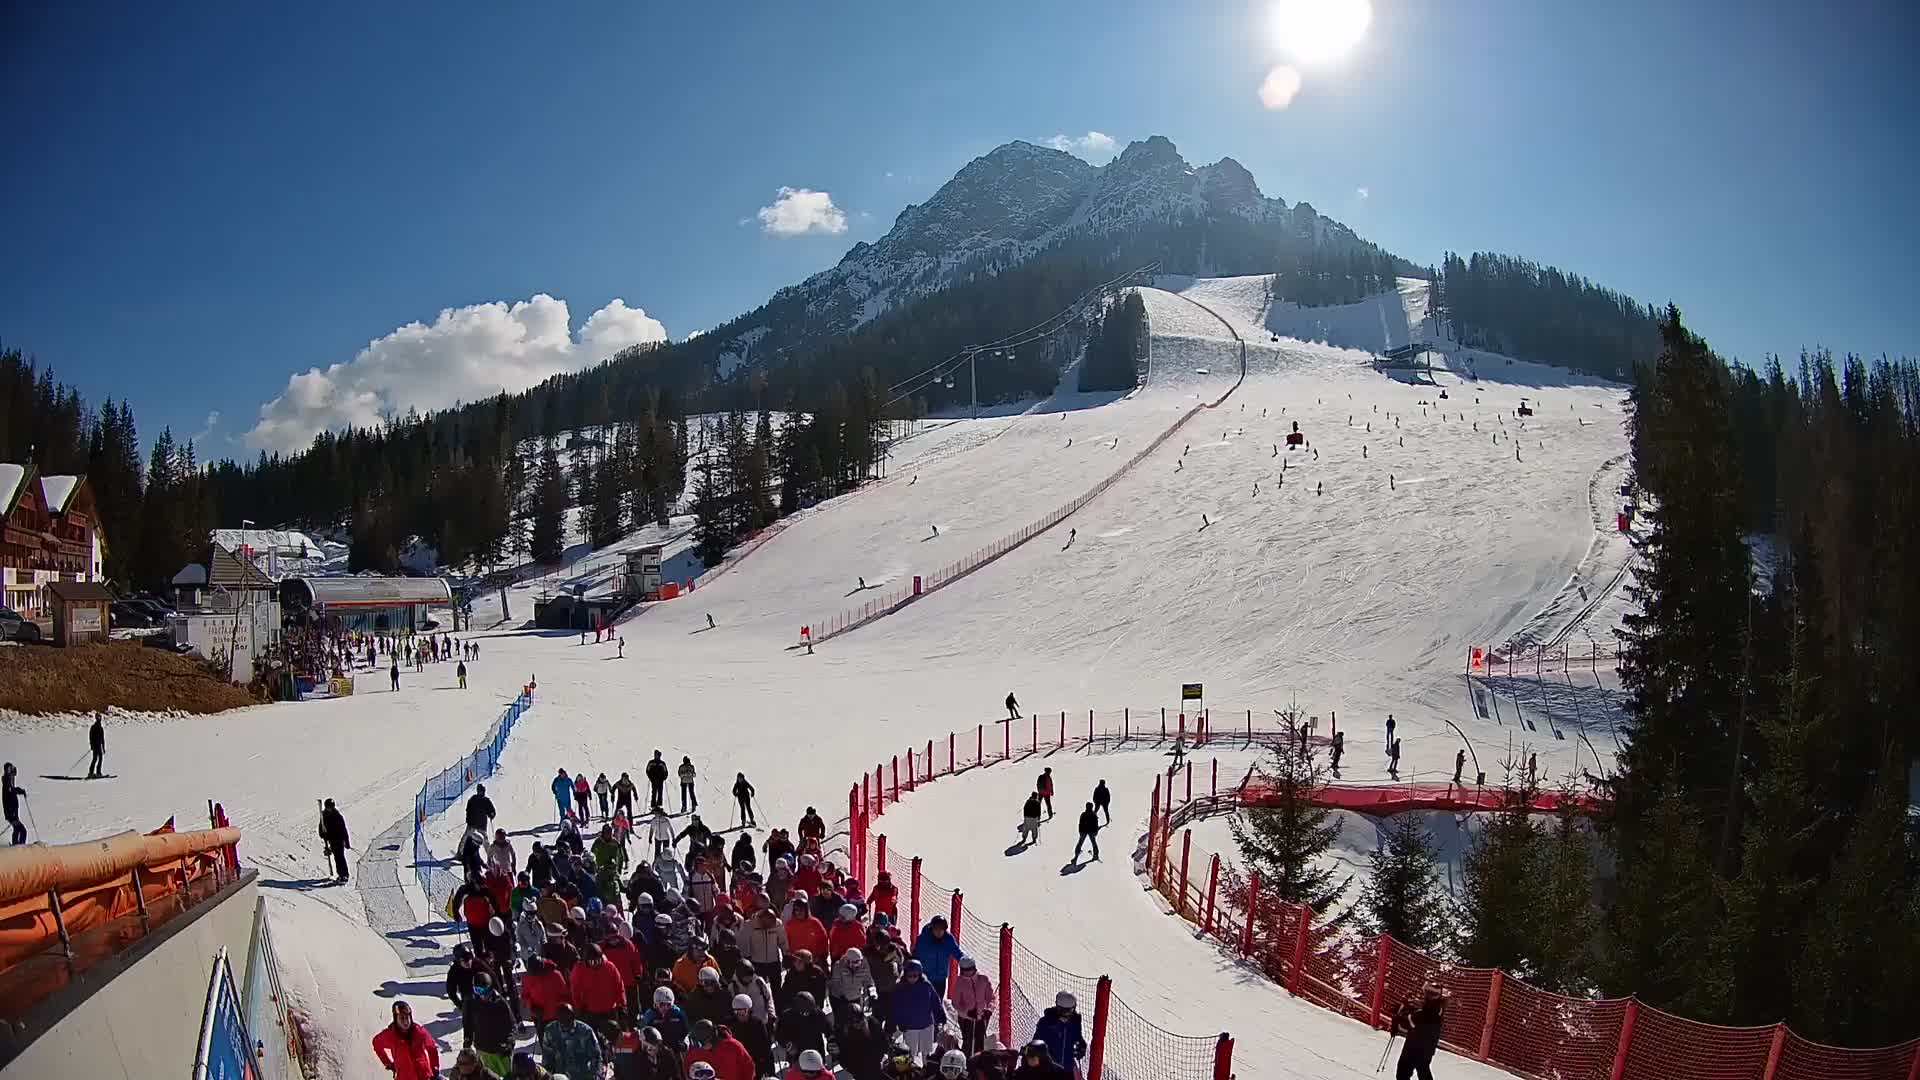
<point x="1123" y="1043"/>
<point x="1492" y="1017"/>
<point x="922" y="584"/>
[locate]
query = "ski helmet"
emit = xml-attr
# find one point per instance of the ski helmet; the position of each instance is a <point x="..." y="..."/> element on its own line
<point x="810" y="1062"/>
<point x="742" y="1001"/>
<point x="953" y="1064"/>
<point x="710" y="975"/>
<point x="663" y="997"/>
<point x="496" y="927"/>
<point x="1064" y="1000"/>
<point x="849" y="912"/>
<point x="701" y="1071"/>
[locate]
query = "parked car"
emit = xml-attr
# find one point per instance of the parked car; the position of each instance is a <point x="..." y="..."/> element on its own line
<point x="154" y="610"/>
<point x="126" y="615"/>
<point x="17" y="627"/>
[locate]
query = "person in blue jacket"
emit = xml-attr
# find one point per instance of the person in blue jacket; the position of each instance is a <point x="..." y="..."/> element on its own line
<point x="563" y="792"/>
<point x="917" y="1011"/>
<point x="936" y="949"/>
<point x="1059" y="1028"/>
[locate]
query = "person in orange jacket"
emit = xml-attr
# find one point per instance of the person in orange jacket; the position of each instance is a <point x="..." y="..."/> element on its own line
<point x="404" y="1047"/>
<point x="848" y="932"/>
<point x="716" y="1046"/>
<point x="885" y="897"/>
<point x="804" y="931"/>
<point x="686" y="970"/>
<point x="597" y="989"/>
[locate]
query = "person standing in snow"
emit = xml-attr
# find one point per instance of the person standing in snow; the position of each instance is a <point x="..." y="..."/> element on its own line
<point x="11" y="792"/>
<point x="333" y="839"/>
<point x="500" y="854"/>
<point x="405" y="1049"/>
<point x="689" y="800"/>
<point x="1339" y="749"/>
<point x="972" y="999"/>
<point x="480" y="811"/>
<point x="394" y="671"/>
<point x="603" y="789"/>
<point x="917" y="1011"/>
<point x="97" y="746"/>
<point x="1089" y="830"/>
<point x="1459" y="764"/>
<point x="623" y="793"/>
<point x="1103" y="800"/>
<point x="1060" y="1030"/>
<point x="563" y="793"/>
<point x="743" y="791"/>
<point x="657" y="780"/>
<point x="1421" y="1020"/>
<point x="1389" y="729"/>
<point x="1030" y="819"/>
<point x="1045" y="787"/>
<point x="583" y="796"/>
<point x="461" y="671"/>
<point x="1393" y="760"/>
<point x="661" y="829"/>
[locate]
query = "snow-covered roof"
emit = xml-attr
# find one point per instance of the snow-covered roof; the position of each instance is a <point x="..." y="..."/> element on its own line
<point x="10" y="477"/>
<point x="285" y="541"/>
<point x="58" y="490"/>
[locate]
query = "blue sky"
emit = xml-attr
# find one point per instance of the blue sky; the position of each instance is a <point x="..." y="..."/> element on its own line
<point x="203" y="200"/>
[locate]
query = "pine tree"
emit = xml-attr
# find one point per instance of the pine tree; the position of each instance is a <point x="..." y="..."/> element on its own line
<point x="604" y="514"/>
<point x="1502" y="895"/>
<point x="1661" y="915"/>
<point x="160" y="553"/>
<point x="713" y="531"/>
<point x="1403" y="896"/>
<point x="1564" y="949"/>
<point x="547" y="538"/>
<point x="1285" y="837"/>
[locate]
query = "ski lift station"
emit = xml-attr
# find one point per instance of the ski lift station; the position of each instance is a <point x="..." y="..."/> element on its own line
<point x="377" y="605"/>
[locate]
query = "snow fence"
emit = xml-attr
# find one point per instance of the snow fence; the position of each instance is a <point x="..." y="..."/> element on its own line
<point x="1493" y="1017"/>
<point x="442" y="791"/>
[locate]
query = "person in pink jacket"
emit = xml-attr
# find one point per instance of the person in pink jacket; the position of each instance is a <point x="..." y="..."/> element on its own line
<point x="971" y="996"/>
<point x="405" y="1049"/>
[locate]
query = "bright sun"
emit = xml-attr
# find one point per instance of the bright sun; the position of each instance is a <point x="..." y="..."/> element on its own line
<point x="1319" y="31"/>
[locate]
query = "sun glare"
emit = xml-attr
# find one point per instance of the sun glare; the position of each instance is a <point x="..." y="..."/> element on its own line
<point x="1319" y="31"/>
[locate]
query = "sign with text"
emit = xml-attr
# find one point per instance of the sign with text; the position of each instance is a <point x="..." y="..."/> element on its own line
<point x="1190" y="691"/>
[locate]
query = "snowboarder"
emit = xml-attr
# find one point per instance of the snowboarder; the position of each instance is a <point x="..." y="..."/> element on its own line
<point x="936" y="531"/>
<point x="689" y="800"/>
<point x="743" y="793"/>
<point x="97" y="746"/>
<point x="461" y="673"/>
<point x="1393" y="760"/>
<point x="1013" y="707"/>
<point x="1390" y="486"/>
<point x="333" y="839"/>
<point x="657" y="780"/>
<point x="1030" y="820"/>
<point x="1459" y="763"/>
<point x="1089" y="833"/>
<point x="862" y="581"/>
<point x="1071" y="533"/>
<point x="1421" y="1020"/>
<point x="1103" y="800"/>
<point x="1204" y="522"/>
<point x="1044" y="786"/>
<point x="11" y="792"/>
<point x="562" y="792"/>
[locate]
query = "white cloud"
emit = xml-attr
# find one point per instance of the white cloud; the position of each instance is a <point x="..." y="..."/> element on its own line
<point x="1094" y="144"/>
<point x="466" y="354"/>
<point x="206" y="428"/>
<point x="1362" y="191"/>
<point x="1281" y="84"/>
<point x="799" y="211"/>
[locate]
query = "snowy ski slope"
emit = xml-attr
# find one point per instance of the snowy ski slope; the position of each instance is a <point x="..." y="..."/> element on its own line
<point x="1362" y="599"/>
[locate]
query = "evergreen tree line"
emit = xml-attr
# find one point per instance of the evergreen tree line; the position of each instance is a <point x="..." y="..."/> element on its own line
<point x="1511" y="305"/>
<point x="1116" y="345"/>
<point x="1314" y="276"/>
<point x="1758" y="861"/>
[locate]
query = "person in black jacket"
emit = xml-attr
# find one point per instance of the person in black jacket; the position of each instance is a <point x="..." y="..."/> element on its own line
<point x="753" y="1034"/>
<point x="1420" y="1019"/>
<point x="12" y="794"/>
<point x="490" y="1023"/>
<point x="657" y="780"/>
<point x="862" y="1045"/>
<point x="743" y="794"/>
<point x="97" y="746"/>
<point x="479" y="809"/>
<point x="460" y="978"/>
<point x="540" y="866"/>
<point x="802" y="1026"/>
<point x="1103" y="801"/>
<point x="1089" y="830"/>
<point x="334" y="840"/>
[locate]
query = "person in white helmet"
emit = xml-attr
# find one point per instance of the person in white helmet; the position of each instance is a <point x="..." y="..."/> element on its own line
<point x="807" y="1065"/>
<point x="1061" y="1030"/>
<point x="953" y="1065"/>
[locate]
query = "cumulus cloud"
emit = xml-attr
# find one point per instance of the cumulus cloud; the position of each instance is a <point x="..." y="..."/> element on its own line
<point x="799" y="211"/>
<point x="466" y="354"/>
<point x="1281" y="84"/>
<point x="1094" y="144"/>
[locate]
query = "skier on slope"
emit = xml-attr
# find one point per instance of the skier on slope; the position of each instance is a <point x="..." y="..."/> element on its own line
<point x="661" y="830"/>
<point x="563" y="792"/>
<point x="583" y="796"/>
<point x="1421" y="1019"/>
<point x="1393" y="760"/>
<point x="657" y="780"/>
<point x="12" y="793"/>
<point x="334" y="840"/>
<point x="743" y="793"/>
<point x="1089" y="833"/>
<point x="623" y="793"/>
<point x="689" y="799"/>
<point x="97" y="746"/>
<point x="603" y="790"/>
<point x="1339" y="750"/>
<point x="1459" y="763"/>
<point x="480" y="811"/>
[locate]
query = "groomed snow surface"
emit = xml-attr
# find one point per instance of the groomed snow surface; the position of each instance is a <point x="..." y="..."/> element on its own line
<point x="1354" y="593"/>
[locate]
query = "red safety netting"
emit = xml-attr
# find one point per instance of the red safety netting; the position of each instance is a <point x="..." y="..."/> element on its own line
<point x="1382" y="800"/>
<point x="1491" y="1016"/>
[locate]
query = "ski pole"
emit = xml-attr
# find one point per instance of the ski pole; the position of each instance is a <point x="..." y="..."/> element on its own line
<point x="1384" y="1053"/>
<point x="24" y="801"/>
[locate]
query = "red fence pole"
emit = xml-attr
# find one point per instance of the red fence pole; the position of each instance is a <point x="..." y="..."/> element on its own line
<point x="914" y="910"/>
<point x="1300" y="938"/>
<point x="1773" y="1051"/>
<point x="1213" y="889"/>
<point x="1006" y="985"/>
<point x="1153" y="824"/>
<point x="1189" y="779"/>
<point x="950" y="768"/>
<point x="1253" y="905"/>
<point x="1626" y="1039"/>
<point x="881" y="851"/>
<point x="1223" y="1058"/>
<point x="1186" y="849"/>
<point x="1493" y="1008"/>
<point x="879" y="791"/>
<point x="1914" y="1072"/>
<point x="853" y="831"/>
<point x="1097" y="1051"/>
<point x="909" y="768"/>
<point x="1379" y="978"/>
<point x="953" y="916"/>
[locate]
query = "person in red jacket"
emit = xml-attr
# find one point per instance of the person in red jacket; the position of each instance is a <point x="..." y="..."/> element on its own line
<point x="804" y="931"/>
<point x="596" y="986"/>
<point x="885" y="898"/>
<point x="807" y="879"/>
<point x="543" y="989"/>
<point x="622" y="954"/>
<point x="717" y="1047"/>
<point x="404" y="1047"/>
<point x="848" y="932"/>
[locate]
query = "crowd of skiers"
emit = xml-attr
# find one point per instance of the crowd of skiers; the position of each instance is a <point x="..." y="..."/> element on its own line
<point x="721" y="962"/>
